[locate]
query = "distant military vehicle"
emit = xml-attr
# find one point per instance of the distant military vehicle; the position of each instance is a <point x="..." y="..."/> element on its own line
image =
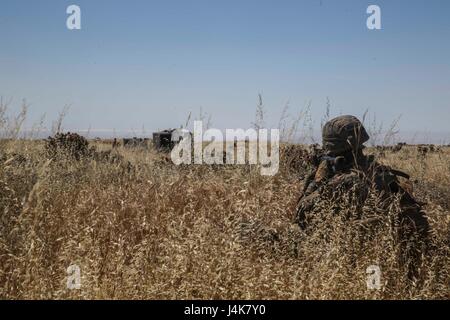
<point x="162" y="140"/>
<point x="135" y="142"/>
<point x="165" y="140"/>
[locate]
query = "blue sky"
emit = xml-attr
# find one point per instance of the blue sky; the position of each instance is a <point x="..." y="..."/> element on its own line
<point x="148" y="64"/>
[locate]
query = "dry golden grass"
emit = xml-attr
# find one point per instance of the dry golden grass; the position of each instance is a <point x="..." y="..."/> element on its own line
<point x="156" y="231"/>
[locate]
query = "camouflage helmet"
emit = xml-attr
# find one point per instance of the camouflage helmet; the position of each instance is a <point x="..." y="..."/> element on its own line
<point x="343" y="134"/>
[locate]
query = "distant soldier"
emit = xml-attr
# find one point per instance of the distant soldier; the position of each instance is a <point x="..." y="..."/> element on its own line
<point x="342" y="165"/>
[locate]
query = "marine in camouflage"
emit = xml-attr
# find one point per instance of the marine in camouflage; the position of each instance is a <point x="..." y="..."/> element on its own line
<point x="342" y="165"/>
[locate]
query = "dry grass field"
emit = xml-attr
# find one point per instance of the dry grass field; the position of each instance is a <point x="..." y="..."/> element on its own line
<point x="140" y="227"/>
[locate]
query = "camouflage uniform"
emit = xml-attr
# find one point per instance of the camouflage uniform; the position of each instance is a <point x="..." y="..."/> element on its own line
<point x="343" y="166"/>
